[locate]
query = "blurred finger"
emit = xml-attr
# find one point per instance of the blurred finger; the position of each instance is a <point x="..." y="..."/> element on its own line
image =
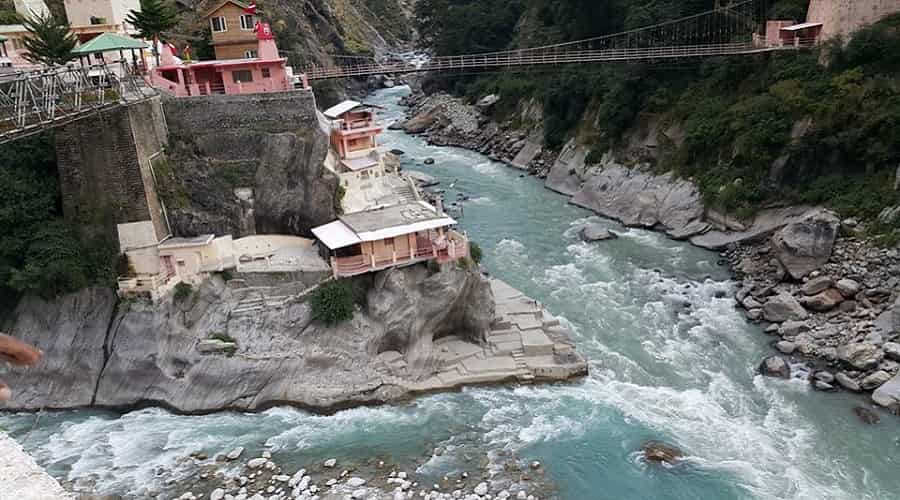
<point x="18" y="352"/>
<point x="5" y="392"/>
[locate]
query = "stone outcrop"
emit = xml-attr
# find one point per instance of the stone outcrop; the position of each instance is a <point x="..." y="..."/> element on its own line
<point x="596" y="232"/>
<point x="775" y="366"/>
<point x="805" y="245"/>
<point x="888" y="395"/>
<point x="211" y="352"/>
<point x="244" y="165"/>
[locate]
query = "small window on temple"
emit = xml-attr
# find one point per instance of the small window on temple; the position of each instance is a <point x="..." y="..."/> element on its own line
<point x="266" y="73"/>
<point x="244" y="75"/>
<point x="218" y="24"/>
<point x="247" y="21"/>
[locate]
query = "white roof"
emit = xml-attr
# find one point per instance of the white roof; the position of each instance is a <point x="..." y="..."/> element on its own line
<point x="363" y="163"/>
<point x="801" y="26"/>
<point x="390" y="232"/>
<point x="196" y="241"/>
<point x="336" y="235"/>
<point x="339" y="109"/>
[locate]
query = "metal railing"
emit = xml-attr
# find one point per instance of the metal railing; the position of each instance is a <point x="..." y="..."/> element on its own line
<point x="33" y="101"/>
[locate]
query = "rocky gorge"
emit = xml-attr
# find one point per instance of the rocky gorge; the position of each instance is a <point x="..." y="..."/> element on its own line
<point x="829" y="296"/>
<point x="250" y="343"/>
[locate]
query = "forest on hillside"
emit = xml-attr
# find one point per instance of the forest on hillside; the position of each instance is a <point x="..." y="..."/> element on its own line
<point x="737" y="115"/>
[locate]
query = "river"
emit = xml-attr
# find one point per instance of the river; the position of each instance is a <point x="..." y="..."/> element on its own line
<point x="671" y="359"/>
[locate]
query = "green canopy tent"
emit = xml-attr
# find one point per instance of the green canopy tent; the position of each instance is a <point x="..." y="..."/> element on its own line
<point x="110" y="42"/>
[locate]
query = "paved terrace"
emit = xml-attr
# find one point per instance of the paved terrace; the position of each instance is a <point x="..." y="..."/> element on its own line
<point x="525" y="343"/>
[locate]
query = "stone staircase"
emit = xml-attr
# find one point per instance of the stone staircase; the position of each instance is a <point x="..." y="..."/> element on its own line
<point x="257" y="299"/>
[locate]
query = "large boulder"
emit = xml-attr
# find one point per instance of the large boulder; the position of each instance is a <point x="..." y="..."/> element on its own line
<point x="657" y="452"/>
<point x="888" y="395"/>
<point x="596" y="232"/>
<point x="862" y="355"/>
<point x="875" y="380"/>
<point x="822" y="302"/>
<point x="775" y="366"/>
<point x="817" y="285"/>
<point x="783" y="307"/>
<point x="805" y="245"/>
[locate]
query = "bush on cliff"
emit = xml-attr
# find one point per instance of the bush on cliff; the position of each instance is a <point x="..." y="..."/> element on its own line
<point x="332" y="303"/>
<point x="39" y="252"/>
<point x="475" y="252"/>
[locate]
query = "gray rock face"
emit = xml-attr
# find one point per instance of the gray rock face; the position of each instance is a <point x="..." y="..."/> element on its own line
<point x="775" y="366"/>
<point x="888" y="395"/>
<point x="149" y="354"/>
<point x="806" y="245"/>
<point x="72" y="333"/>
<point x="596" y="232"/>
<point x="783" y="307"/>
<point x="862" y="355"/>
<point x="637" y="197"/>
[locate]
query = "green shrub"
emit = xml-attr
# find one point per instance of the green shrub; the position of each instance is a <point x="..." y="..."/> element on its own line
<point x="183" y="291"/>
<point x="332" y="303"/>
<point x="475" y="252"/>
<point x="433" y="266"/>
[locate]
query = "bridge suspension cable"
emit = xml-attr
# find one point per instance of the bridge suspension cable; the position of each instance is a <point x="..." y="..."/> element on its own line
<point x="731" y="28"/>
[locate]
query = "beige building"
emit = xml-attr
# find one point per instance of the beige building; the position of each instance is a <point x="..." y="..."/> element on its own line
<point x="842" y="17"/>
<point x="233" y="35"/>
<point x="107" y="14"/>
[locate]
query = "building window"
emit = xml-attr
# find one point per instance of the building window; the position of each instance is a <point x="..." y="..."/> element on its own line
<point x="250" y="54"/>
<point x="244" y="75"/>
<point x="266" y="73"/>
<point x="248" y="21"/>
<point x="218" y="24"/>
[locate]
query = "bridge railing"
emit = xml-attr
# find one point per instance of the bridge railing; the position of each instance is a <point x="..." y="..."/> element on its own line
<point x="32" y="101"/>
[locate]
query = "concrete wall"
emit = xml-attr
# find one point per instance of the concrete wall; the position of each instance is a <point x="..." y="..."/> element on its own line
<point x="841" y="17"/>
<point x="275" y="112"/>
<point x="104" y="168"/>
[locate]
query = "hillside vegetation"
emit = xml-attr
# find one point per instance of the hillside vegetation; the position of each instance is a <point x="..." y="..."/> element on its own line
<point x="748" y="130"/>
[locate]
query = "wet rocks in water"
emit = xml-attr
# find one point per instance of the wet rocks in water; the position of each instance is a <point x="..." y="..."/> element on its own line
<point x="398" y="152"/>
<point x="658" y="452"/>
<point x="866" y="415"/>
<point x="596" y="232"/>
<point x="429" y="161"/>
<point x="847" y="382"/>
<point x="888" y="395"/>
<point x="330" y="463"/>
<point x="875" y="380"/>
<point x="786" y="347"/>
<point x="775" y="366"/>
<point x="235" y="453"/>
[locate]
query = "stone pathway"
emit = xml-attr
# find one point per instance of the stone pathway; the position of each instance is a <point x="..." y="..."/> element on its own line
<point x="525" y="343"/>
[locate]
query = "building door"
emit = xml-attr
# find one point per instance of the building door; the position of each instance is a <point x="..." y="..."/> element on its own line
<point x="167" y="265"/>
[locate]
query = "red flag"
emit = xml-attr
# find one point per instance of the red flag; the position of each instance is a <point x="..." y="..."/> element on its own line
<point x="172" y="48"/>
<point x="250" y="9"/>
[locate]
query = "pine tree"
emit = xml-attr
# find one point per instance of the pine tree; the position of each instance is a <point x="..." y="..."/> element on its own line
<point x="153" y="19"/>
<point x="49" y="40"/>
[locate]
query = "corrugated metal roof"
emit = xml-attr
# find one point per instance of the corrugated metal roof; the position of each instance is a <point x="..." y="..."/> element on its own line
<point x="339" y="109"/>
<point x="108" y="42"/>
<point x="336" y="235"/>
<point x="801" y="26"/>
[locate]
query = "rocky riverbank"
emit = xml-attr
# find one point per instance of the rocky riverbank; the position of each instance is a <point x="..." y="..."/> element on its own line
<point x="232" y="475"/>
<point x="832" y="303"/>
<point x="830" y="298"/>
<point x="246" y="344"/>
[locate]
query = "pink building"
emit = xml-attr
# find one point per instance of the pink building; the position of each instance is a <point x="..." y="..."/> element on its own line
<point x="265" y="73"/>
<point x="789" y="33"/>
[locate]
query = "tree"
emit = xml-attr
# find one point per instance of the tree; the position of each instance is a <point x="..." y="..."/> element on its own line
<point x="49" y="40"/>
<point x="153" y="19"/>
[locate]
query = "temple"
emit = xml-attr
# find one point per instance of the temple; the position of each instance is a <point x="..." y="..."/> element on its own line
<point x="386" y="223"/>
<point x="266" y="71"/>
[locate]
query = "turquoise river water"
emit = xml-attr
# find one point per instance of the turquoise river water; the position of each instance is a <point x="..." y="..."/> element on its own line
<point x="660" y="369"/>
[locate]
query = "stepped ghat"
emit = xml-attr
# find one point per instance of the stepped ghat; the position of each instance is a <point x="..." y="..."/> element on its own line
<point x="525" y="344"/>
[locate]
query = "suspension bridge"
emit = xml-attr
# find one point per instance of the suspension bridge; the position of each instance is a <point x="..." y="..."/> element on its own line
<point x="35" y="101"/>
<point x="735" y="28"/>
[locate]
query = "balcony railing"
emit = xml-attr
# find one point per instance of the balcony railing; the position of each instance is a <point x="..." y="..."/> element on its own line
<point x="455" y="246"/>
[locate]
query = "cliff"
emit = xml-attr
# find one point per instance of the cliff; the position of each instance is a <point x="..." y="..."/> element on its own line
<point x="100" y="353"/>
<point x="245" y="165"/>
